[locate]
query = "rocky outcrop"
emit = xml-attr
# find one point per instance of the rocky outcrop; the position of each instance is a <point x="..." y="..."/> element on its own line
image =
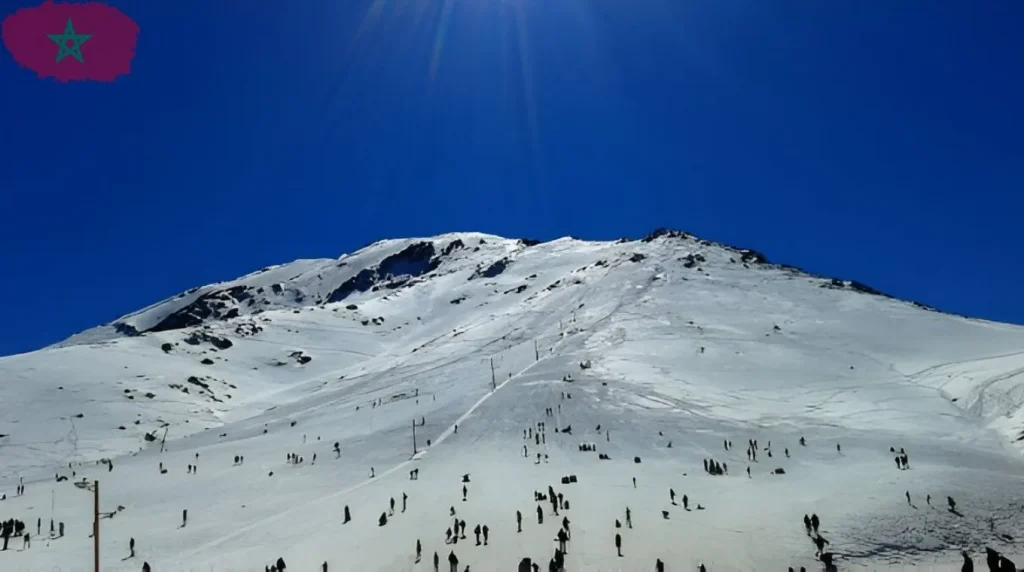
<point x="491" y="271"/>
<point x="198" y="337"/>
<point x="392" y="272"/>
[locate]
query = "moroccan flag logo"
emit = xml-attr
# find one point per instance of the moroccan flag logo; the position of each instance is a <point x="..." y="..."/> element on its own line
<point x="72" y="41"/>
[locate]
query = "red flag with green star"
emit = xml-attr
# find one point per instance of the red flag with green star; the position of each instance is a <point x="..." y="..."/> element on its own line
<point x="72" y="41"/>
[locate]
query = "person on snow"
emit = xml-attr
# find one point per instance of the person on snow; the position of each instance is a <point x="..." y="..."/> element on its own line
<point x="348" y="516"/>
<point x="672" y="495"/>
<point x="280" y="564"/>
<point x="820" y="543"/>
<point x="453" y="560"/>
<point x="563" y="538"/>
<point x="184" y="517"/>
<point x="131" y="547"/>
<point x="405" y="497"/>
<point x="952" y="504"/>
<point x="437" y="561"/>
<point x="807" y="524"/>
<point x="540" y="515"/>
<point x="659" y="566"/>
<point x="565" y="525"/>
<point x="391" y="510"/>
<point x="618" y="544"/>
<point x="815" y="522"/>
<point x="464" y="491"/>
<point x="908" y="498"/>
<point x="629" y="518"/>
<point x="383" y="519"/>
<point x="419" y="550"/>
<point x="487" y="534"/>
<point x="519" y="521"/>
<point x="686" y="502"/>
<point x="145" y="567"/>
<point x="968" y="565"/>
<point x="476" y="532"/>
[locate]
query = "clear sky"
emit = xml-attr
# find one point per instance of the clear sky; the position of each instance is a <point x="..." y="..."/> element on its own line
<point x="879" y="141"/>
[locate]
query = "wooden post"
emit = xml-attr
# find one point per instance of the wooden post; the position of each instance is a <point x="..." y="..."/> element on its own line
<point x="96" y="525"/>
<point x="413" y="436"/>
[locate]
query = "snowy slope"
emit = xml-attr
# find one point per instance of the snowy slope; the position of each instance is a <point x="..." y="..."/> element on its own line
<point x="688" y="341"/>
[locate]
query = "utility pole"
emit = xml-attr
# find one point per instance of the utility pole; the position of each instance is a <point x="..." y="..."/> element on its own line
<point x="413" y="436"/>
<point x="96" y="525"/>
<point x="536" y="352"/>
<point x="494" y="383"/>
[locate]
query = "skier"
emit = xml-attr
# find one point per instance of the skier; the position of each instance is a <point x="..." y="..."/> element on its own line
<point x="383" y="519"/>
<point x="815" y="523"/>
<point x="634" y="482"/>
<point x="437" y="561"/>
<point x="952" y="504"/>
<point x="391" y="511"/>
<point x="145" y="567"/>
<point x="565" y="525"/>
<point x="519" y="521"/>
<point x="618" y="544"/>
<point x="464" y="490"/>
<point x="839" y="449"/>
<point x="908" y="498"/>
<point x="348" y="515"/>
<point x="540" y="515"/>
<point x="476" y="532"/>
<point x="686" y="502"/>
<point x="453" y="560"/>
<point x="131" y="547"/>
<point x="807" y="524"/>
<point x="184" y="517"/>
<point x="405" y="497"/>
<point x="562" y="539"/>
<point x="419" y="550"/>
<point x="672" y="495"/>
<point x="487" y="534"/>
<point x="629" y="517"/>
<point x="659" y="566"/>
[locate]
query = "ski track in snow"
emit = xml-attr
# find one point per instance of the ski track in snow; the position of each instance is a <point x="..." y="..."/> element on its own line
<point x="720" y="350"/>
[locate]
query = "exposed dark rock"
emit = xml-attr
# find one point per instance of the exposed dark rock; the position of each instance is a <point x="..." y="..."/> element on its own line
<point x="747" y="255"/>
<point x="351" y="307"/>
<point x="276" y="288"/>
<point x="150" y="394"/>
<point x="452" y="246"/>
<point x="637" y="257"/>
<point x="304" y="359"/>
<point x="366" y="322"/>
<point x="125" y="329"/>
<point x="660" y="232"/>
<point x="529" y="242"/>
<point x="553" y="285"/>
<point x="166" y="347"/>
<point x="207" y="361"/>
<point x="457" y="300"/>
<point x="517" y="289"/>
<point x="493" y="270"/>
<point x="232" y="313"/>
<point x="413" y="261"/>
<point x="197" y="337"/>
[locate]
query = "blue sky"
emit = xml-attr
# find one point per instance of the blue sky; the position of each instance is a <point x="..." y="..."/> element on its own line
<point x="879" y="141"/>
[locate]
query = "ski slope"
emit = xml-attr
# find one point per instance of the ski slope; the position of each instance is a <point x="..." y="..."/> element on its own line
<point x="689" y="342"/>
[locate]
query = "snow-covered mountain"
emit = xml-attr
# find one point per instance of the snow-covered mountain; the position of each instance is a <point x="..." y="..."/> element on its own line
<point x="670" y="344"/>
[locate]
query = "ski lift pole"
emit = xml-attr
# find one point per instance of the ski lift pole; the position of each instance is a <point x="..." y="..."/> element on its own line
<point x="96" y="525"/>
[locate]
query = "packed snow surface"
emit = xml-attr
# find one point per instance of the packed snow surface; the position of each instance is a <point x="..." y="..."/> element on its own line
<point x="673" y="346"/>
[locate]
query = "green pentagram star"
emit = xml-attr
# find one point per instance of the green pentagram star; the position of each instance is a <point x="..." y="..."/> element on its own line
<point x="70" y="43"/>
